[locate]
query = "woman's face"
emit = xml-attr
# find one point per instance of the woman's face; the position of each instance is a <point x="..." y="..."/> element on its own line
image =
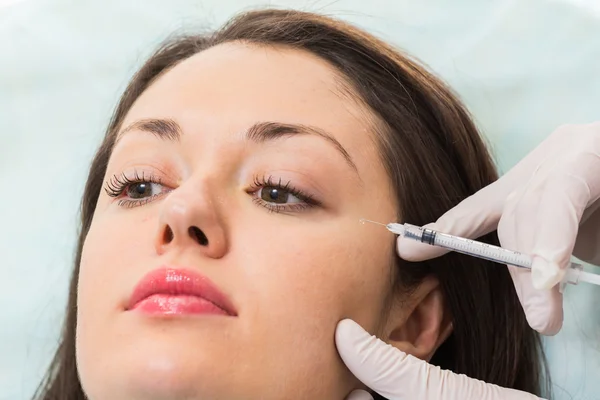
<point x="269" y="214"/>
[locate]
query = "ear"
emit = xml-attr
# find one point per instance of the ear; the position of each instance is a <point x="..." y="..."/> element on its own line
<point x="419" y="322"/>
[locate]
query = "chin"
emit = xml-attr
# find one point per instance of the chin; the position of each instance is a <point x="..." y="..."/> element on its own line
<point x="155" y="378"/>
<point x="143" y="359"/>
<point x="153" y="368"/>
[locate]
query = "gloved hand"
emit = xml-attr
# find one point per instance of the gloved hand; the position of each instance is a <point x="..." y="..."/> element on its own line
<point x="399" y="376"/>
<point x="547" y="206"/>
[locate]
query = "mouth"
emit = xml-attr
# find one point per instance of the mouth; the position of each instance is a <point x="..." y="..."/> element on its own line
<point x="173" y="291"/>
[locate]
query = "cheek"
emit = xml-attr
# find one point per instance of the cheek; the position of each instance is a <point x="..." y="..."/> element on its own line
<point x="111" y="249"/>
<point x="299" y="286"/>
<point x="314" y="279"/>
<point x="112" y="252"/>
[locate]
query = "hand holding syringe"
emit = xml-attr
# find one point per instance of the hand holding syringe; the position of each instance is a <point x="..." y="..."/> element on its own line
<point x="573" y="275"/>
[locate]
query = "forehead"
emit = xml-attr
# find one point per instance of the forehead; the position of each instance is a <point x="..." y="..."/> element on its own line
<point x="231" y="86"/>
<point x="261" y="75"/>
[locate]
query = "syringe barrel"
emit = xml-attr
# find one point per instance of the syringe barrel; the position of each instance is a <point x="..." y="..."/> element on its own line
<point x="483" y="250"/>
<point x="467" y="246"/>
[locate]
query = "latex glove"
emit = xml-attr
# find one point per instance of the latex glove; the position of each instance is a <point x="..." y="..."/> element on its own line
<point x="546" y="206"/>
<point x="398" y="376"/>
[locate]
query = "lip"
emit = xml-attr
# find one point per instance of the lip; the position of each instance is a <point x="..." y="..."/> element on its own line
<point x="169" y="290"/>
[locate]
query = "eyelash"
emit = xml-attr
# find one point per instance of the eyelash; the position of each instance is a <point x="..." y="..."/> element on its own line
<point x="119" y="184"/>
<point x="260" y="182"/>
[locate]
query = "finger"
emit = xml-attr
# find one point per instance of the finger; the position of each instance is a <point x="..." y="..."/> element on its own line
<point x="588" y="168"/>
<point x="359" y="395"/>
<point x="475" y="216"/>
<point x="398" y="376"/>
<point x="569" y="192"/>
<point x="543" y="309"/>
<point x="555" y="233"/>
<point x="478" y="214"/>
<point x="411" y="250"/>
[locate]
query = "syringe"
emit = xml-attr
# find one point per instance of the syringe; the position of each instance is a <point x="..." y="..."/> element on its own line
<point x="486" y="251"/>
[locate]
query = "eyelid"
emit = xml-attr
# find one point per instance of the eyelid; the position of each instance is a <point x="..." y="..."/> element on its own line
<point x="117" y="185"/>
<point x="118" y="182"/>
<point x="307" y="200"/>
<point x="151" y="164"/>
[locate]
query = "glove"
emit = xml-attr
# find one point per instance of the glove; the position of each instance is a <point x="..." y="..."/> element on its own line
<point x="546" y="206"/>
<point x="399" y="376"/>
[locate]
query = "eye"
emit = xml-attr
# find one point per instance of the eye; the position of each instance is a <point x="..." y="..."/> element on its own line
<point x="140" y="190"/>
<point x="277" y="195"/>
<point x="135" y="191"/>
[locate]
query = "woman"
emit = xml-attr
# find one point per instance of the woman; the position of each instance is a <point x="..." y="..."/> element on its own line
<point x="221" y="243"/>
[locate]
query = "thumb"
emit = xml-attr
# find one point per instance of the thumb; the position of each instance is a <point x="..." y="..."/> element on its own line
<point x="475" y="216"/>
<point x="359" y="395"/>
<point x="399" y="376"/>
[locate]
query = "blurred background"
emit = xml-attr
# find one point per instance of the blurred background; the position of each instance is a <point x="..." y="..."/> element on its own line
<point x="523" y="67"/>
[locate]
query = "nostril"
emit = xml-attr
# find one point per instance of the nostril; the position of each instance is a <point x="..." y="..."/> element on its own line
<point x="198" y="235"/>
<point x="168" y="235"/>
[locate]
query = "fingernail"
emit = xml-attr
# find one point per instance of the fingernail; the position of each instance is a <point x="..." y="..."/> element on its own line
<point x="545" y="275"/>
<point x="359" y="395"/>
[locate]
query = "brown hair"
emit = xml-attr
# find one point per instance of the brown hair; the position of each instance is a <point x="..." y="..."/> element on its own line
<point x="434" y="155"/>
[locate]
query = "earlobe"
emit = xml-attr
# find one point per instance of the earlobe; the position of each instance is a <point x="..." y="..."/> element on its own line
<point x="420" y="324"/>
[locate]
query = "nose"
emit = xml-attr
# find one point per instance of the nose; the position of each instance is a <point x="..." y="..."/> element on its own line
<point x="189" y="222"/>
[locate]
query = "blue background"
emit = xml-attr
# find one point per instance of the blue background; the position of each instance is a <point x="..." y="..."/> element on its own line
<point x="522" y="67"/>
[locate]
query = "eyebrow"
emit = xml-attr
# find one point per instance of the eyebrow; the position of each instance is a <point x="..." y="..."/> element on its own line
<point x="260" y="132"/>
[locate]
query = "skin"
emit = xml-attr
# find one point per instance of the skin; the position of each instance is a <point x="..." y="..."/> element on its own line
<point x="291" y="275"/>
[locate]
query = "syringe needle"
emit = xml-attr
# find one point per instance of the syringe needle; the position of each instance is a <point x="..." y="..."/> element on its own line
<point x="363" y="220"/>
